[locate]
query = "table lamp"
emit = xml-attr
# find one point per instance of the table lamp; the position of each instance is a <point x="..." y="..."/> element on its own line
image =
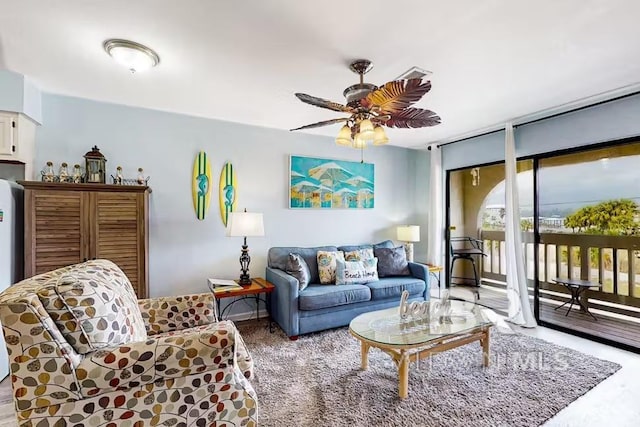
<point x="408" y="234"/>
<point x="245" y="224"/>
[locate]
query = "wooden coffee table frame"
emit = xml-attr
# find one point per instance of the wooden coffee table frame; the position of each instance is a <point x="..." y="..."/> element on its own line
<point x="403" y="354"/>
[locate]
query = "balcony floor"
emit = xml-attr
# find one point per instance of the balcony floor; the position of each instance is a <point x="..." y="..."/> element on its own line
<point x="623" y="331"/>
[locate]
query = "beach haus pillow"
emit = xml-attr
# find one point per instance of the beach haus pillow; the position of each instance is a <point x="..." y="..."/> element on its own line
<point x="298" y="268"/>
<point x="392" y="262"/>
<point x="356" y="272"/>
<point x="327" y="266"/>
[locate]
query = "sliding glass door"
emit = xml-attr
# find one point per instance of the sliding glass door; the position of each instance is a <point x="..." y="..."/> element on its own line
<point x="476" y="218"/>
<point x="581" y="238"/>
<point x="589" y="242"/>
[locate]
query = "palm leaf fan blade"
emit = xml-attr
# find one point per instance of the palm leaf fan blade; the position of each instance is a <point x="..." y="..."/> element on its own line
<point x="323" y="103"/>
<point x="323" y="123"/>
<point x="413" y="118"/>
<point x="397" y="95"/>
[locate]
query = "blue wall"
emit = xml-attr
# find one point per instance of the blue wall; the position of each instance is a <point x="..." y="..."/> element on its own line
<point x="601" y="123"/>
<point x="185" y="251"/>
<point x="19" y="95"/>
<point x="11" y="91"/>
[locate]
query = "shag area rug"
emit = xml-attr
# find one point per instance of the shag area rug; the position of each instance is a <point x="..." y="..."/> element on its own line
<point x="317" y="381"/>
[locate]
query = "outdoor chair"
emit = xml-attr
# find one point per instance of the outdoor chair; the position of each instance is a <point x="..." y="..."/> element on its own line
<point x="466" y="249"/>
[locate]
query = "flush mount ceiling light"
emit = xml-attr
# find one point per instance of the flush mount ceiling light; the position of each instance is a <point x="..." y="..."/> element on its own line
<point x="134" y="56"/>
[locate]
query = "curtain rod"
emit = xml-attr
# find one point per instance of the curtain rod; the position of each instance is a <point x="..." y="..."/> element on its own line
<point x="539" y="119"/>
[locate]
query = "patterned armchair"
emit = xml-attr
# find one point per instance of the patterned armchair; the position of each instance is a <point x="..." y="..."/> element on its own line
<point x="84" y="351"/>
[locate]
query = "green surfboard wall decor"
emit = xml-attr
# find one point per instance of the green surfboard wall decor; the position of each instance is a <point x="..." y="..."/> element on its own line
<point x="201" y="185"/>
<point x="228" y="192"/>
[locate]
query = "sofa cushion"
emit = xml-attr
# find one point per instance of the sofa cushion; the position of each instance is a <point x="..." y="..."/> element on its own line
<point x="315" y="297"/>
<point x="351" y="248"/>
<point x="392" y="262"/>
<point x="327" y="263"/>
<point x="278" y="257"/>
<point x="358" y="254"/>
<point x="355" y="272"/>
<point x="94" y="306"/>
<point x="298" y="268"/>
<point x="383" y="244"/>
<point x="392" y="287"/>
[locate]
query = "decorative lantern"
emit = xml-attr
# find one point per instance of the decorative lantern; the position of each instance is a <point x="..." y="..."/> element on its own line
<point x="96" y="165"/>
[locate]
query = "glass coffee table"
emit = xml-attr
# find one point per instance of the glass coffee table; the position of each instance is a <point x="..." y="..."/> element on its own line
<point x="409" y="340"/>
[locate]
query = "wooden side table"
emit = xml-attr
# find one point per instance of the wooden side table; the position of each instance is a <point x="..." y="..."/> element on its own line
<point x="257" y="287"/>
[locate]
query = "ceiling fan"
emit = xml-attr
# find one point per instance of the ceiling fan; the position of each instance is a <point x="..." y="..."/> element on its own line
<point x="371" y="107"/>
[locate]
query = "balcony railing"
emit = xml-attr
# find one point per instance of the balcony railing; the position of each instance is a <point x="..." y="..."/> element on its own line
<point x="613" y="261"/>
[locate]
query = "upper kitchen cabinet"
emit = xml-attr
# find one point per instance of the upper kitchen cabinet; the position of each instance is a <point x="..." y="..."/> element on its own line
<point x="17" y="140"/>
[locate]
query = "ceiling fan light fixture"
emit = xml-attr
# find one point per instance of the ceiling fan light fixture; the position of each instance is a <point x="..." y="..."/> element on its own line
<point x="344" y="136"/>
<point x="390" y="105"/>
<point x="135" y="56"/>
<point x="380" y="137"/>
<point x="359" y="142"/>
<point x="366" y="130"/>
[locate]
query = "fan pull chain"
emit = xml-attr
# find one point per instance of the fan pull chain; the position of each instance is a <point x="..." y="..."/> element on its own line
<point x="361" y="154"/>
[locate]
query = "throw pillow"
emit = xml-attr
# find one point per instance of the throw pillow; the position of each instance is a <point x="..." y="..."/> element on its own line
<point x="359" y="254"/>
<point x="327" y="266"/>
<point x="298" y="268"/>
<point x="356" y="272"/>
<point x="392" y="262"/>
<point x="385" y="244"/>
<point x="93" y="308"/>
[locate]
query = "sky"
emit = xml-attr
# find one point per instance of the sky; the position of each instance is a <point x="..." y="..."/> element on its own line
<point x="564" y="189"/>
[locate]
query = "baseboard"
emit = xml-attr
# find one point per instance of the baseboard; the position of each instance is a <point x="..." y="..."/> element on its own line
<point x="246" y="315"/>
<point x="241" y="308"/>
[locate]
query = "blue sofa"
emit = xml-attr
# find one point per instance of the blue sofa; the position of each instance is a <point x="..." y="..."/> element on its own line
<point x="320" y="307"/>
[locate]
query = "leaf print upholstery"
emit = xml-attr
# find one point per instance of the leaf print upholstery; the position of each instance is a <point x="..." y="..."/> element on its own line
<point x="172" y="364"/>
<point x="167" y="314"/>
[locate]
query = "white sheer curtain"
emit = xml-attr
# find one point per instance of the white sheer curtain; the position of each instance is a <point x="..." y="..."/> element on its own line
<point x="435" y="236"/>
<point x="519" y="305"/>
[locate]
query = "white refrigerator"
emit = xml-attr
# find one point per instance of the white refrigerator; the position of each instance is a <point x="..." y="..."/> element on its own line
<point x="11" y="244"/>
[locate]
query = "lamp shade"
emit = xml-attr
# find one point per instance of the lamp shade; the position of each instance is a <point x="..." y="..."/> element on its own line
<point x="245" y="224"/>
<point x="409" y="233"/>
<point x="380" y="137"/>
<point x="366" y="130"/>
<point x="344" y="136"/>
<point x="359" y="142"/>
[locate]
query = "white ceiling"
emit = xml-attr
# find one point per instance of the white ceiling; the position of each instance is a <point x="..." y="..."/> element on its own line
<point x="242" y="61"/>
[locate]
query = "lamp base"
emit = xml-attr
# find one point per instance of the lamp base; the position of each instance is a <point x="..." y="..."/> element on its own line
<point x="408" y="250"/>
<point x="245" y="259"/>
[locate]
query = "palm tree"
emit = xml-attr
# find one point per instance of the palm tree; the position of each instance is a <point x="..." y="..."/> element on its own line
<point x="614" y="217"/>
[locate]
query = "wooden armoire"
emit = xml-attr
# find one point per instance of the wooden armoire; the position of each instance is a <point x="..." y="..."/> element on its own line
<point x="70" y="223"/>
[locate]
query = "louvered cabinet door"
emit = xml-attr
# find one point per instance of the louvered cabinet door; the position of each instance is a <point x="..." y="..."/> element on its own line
<point x="56" y="233"/>
<point x="119" y="233"/>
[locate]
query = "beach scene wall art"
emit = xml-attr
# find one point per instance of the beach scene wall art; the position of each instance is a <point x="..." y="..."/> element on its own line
<point x="316" y="183"/>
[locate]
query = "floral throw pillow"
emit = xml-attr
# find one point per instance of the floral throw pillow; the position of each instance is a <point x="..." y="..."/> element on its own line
<point x="356" y="272"/>
<point x="327" y="266"/>
<point x="359" y="254"/>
